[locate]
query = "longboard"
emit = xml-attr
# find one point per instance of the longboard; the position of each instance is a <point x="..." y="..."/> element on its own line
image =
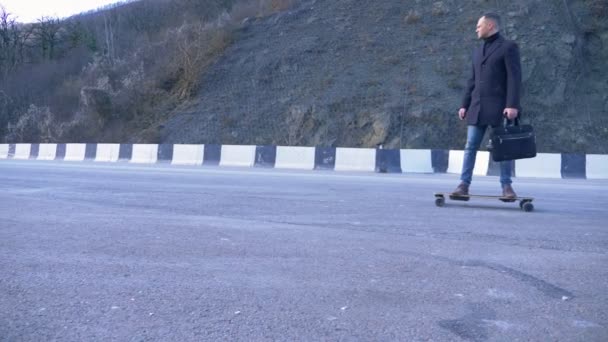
<point x="525" y="203"/>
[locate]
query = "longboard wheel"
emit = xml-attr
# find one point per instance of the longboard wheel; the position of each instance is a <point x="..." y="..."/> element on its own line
<point x="527" y="206"/>
<point x="439" y="201"/>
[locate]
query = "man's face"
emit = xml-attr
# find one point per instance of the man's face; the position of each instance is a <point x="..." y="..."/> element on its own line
<point x="484" y="28"/>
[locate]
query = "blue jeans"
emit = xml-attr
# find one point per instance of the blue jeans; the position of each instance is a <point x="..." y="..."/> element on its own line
<point x="474" y="137"/>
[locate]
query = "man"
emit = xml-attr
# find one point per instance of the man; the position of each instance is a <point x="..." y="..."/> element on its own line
<point x="491" y="94"/>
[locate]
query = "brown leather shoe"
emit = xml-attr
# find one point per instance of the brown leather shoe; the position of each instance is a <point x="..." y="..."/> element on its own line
<point x="508" y="192"/>
<point x="461" y="190"/>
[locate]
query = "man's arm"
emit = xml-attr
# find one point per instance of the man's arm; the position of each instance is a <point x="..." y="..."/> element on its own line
<point x="466" y="101"/>
<point x="513" y="66"/>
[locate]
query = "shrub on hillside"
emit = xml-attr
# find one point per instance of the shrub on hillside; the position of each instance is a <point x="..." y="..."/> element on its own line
<point x="37" y="125"/>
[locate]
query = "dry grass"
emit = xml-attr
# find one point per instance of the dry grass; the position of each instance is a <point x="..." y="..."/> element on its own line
<point x="412" y="17"/>
<point x="598" y="8"/>
<point x="412" y="89"/>
<point x="228" y="122"/>
<point x="258" y="8"/>
<point x="366" y="40"/>
<point x="299" y="122"/>
<point x="440" y="8"/>
<point x="425" y="30"/>
<point x="195" y="52"/>
<point x="36" y="125"/>
<point x="391" y="60"/>
<point x="280" y="5"/>
<point x="196" y="46"/>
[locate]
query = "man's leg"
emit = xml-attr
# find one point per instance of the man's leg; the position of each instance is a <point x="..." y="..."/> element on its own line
<point x="474" y="138"/>
<point x="505" y="179"/>
<point x="505" y="172"/>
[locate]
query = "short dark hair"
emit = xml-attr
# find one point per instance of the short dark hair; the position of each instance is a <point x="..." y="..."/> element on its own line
<point x="494" y="17"/>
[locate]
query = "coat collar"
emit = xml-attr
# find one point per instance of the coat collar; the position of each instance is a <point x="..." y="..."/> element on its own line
<point x="495" y="45"/>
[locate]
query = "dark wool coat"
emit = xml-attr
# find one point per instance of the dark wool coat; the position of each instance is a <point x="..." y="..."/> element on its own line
<point x="495" y="83"/>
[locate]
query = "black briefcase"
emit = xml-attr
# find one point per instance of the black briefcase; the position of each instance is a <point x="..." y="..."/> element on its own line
<point x="512" y="141"/>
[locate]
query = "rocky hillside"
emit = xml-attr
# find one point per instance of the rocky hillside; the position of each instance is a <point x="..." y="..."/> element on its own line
<point x="296" y="72"/>
<point x="391" y="72"/>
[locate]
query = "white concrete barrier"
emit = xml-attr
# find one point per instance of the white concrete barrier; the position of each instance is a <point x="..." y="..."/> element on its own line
<point x="47" y="151"/>
<point x="144" y="153"/>
<point x="291" y="157"/>
<point x="188" y="154"/>
<point x="4" y="151"/>
<point x="107" y="152"/>
<point x="75" y="152"/>
<point x="597" y="166"/>
<point x="456" y="159"/>
<point x="355" y="159"/>
<point x="416" y="161"/>
<point x="544" y="165"/>
<point x="22" y="151"/>
<point x="238" y="155"/>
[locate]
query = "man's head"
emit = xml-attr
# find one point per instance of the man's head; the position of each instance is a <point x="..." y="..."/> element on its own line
<point x="488" y="25"/>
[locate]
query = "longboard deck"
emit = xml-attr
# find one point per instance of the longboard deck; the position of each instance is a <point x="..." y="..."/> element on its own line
<point x="525" y="203"/>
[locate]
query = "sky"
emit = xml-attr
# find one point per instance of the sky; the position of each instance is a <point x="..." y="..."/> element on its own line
<point x="27" y="11"/>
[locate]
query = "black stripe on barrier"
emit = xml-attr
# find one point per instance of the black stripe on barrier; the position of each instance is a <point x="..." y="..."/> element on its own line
<point x="388" y="161"/>
<point x="512" y="167"/>
<point x="90" y="151"/>
<point x="34" y="151"/>
<point x="125" y="152"/>
<point x="11" y="150"/>
<point x="325" y="158"/>
<point x="440" y="160"/>
<point x="265" y="156"/>
<point x="165" y="153"/>
<point x="212" y="154"/>
<point x="494" y="168"/>
<point x="574" y="165"/>
<point x="60" y="152"/>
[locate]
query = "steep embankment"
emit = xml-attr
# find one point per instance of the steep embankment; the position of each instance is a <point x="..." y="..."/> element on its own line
<point x="391" y="72"/>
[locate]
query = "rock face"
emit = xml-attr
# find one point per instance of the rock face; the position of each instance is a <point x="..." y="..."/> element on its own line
<point x="96" y="101"/>
<point x="391" y="72"/>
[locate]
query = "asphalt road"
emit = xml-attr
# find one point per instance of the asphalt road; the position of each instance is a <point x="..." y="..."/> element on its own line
<point x="118" y="252"/>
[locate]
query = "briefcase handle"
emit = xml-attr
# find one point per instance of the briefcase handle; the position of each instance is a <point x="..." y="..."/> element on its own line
<point x="507" y="122"/>
<point x="514" y="122"/>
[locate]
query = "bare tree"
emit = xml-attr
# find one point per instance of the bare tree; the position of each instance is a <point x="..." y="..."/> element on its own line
<point x="23" y="38"/>
<point x="109" y="38"/>
<point x="47" y="33"/>
<point x="8" y="51"/>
